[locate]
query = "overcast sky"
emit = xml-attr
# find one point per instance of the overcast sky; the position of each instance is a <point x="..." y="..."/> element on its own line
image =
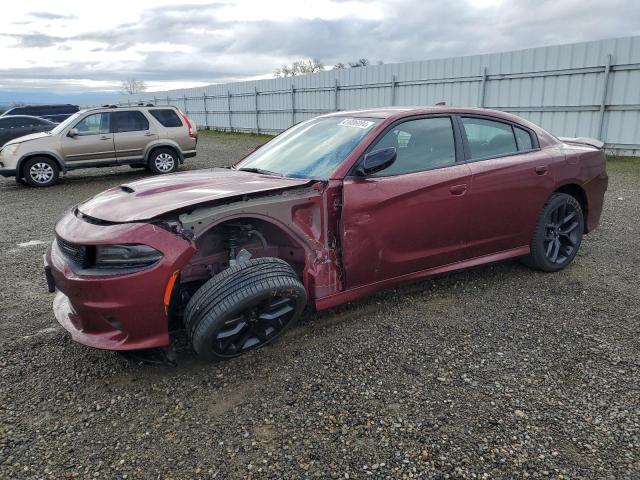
<point x="70" y="46"/>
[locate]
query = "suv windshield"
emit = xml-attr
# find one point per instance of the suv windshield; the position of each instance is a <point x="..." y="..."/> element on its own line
<point x="311" y="149"/>
<point x="61" y="126"/>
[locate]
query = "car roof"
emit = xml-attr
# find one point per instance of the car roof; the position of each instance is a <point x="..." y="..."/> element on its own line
<point x="388" y="112"/>
<point x="391" y="114"/>
<point x="115" y="108"/>
<point x="26" y="116"/>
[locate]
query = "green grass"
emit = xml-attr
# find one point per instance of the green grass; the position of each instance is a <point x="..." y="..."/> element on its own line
<point x="625" y="165"/>
<point x="234" y="135"/>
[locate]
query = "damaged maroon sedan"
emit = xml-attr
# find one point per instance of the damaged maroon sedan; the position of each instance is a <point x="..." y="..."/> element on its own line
<point x="331" y="210"/>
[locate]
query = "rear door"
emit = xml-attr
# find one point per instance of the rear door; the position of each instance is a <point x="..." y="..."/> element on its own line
<point x="412" y="216"/>
<point x="94" y="142"/>
<point x="509" y="185"/>
<point x="131" y="134"/>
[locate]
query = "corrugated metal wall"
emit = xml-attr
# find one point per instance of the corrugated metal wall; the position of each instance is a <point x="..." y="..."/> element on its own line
<point x="587" y="89"/>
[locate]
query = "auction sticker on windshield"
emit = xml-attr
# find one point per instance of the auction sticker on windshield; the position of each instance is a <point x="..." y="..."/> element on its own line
<point x="352" y="122"/>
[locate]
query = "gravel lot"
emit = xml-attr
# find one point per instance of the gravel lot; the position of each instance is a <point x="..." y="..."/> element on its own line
<point x="499" y="372"/>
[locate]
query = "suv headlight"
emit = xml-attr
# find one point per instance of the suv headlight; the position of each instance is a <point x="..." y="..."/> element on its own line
<point x="11" y="149"/>
<point x="125" y="256"/>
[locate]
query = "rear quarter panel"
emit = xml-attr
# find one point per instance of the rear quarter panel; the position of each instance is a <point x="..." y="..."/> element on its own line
<point x="587" y="168"/>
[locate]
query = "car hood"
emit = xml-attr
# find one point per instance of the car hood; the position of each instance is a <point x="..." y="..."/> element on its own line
<point x="149" y="198"/>
<point x="26" y="138"/>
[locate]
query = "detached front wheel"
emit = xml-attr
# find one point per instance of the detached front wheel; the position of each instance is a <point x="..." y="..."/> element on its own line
<point x="244" y="307"/>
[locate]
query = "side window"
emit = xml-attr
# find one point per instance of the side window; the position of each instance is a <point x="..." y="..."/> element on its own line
<point x="21" y="122"/>
<point x="167" y="117"/>
<point x="488" y="138"/>
<point x="421" y="144"/>
<point x="523" y="138"/>
<point x="4" y="123"/>
<point x="96" y="124"/>
<point x="131" y="121"/>
<point x="12" y="122"/>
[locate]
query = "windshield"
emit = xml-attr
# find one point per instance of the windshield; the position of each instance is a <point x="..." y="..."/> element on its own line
<point x="311" y="149"/>
<point x="65" y="123"/>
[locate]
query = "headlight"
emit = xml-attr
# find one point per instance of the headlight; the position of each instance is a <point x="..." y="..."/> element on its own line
<point x="125" y="256"/>
<point x="11" y="149"/>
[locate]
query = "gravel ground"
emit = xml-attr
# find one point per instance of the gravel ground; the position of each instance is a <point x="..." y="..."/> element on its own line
<point x="498" y="372"/>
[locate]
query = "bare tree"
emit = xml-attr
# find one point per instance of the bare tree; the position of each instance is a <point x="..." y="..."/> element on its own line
<point x="299" y="67"/>
<point x="131" y="86"/>
<point x="361" y="62"/>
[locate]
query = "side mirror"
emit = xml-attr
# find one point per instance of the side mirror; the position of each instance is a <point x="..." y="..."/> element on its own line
<point x="73" y="133"/>
<point x="378" y="160"/>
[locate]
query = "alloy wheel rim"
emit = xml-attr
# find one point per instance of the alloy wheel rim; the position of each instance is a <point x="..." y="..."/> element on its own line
<point x="41" y="172"/>
<point x="255" y="326"/>
<point x="164" y="162"/>
<point x="561" y="234"/>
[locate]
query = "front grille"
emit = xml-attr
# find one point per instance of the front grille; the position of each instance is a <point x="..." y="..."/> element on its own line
<point x="75" y="253"/>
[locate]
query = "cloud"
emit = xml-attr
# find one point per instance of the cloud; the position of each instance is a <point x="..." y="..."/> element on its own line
<point x="51" y="16"/>
<point x="208" y="46"/>
<point x="36" y="40"/>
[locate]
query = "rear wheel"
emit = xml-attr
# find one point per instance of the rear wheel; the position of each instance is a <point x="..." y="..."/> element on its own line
<point x="163" y="160"/>
<point x="41" y="172"/>
<point x="558" y="234"/>
<point x="243" y="308"/>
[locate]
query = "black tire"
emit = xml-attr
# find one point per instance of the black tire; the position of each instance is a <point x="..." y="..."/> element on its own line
<point x="245" y="307"/>
<point x="558" y="234"/>
<point x="40" y="172"/>
<point x="163" y="160"/>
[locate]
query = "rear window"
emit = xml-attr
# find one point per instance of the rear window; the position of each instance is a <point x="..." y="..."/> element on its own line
<point x="488" y="138"/>
<point x="17" y="111"/>
<point x="167" y="117"/>
<point x="132" y="121"/>
<point x="523" y="138"/>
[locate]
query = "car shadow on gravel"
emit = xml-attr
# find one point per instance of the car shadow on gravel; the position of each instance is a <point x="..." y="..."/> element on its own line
<point x="438" y="290"/>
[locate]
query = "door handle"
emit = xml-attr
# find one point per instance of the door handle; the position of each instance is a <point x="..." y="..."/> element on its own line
<point x="105" y="137"/>
<point x="458" y="189"/>
<point x="542" y="169"/>
<point x="147" y="134"/>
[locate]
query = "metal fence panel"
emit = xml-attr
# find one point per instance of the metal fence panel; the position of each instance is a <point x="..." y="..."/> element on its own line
<point x="584" y="89"/>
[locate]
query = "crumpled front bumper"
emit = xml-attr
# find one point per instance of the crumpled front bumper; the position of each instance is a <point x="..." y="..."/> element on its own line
<point x="115" y="312"/>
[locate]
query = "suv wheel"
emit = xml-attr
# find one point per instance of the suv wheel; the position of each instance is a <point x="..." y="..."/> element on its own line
<point x="163" y="160"/>
<point x="244" y="307"/>
<point x="41" y="172"/>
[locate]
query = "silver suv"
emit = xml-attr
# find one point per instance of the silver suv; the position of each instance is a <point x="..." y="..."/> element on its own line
<point x="155" y="138"/>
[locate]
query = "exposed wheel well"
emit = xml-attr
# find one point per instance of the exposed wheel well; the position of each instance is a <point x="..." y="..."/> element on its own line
<point x="221" y="246"/>
<point x="168" y="147"/>
<point x="577" y="192"/>
<point x="23" y="162"/>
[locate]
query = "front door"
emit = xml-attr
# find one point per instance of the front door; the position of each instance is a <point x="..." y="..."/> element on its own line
<point x="411" y="216"/>
<point x="93" y="143"/>
<point x="132" y="133"/>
